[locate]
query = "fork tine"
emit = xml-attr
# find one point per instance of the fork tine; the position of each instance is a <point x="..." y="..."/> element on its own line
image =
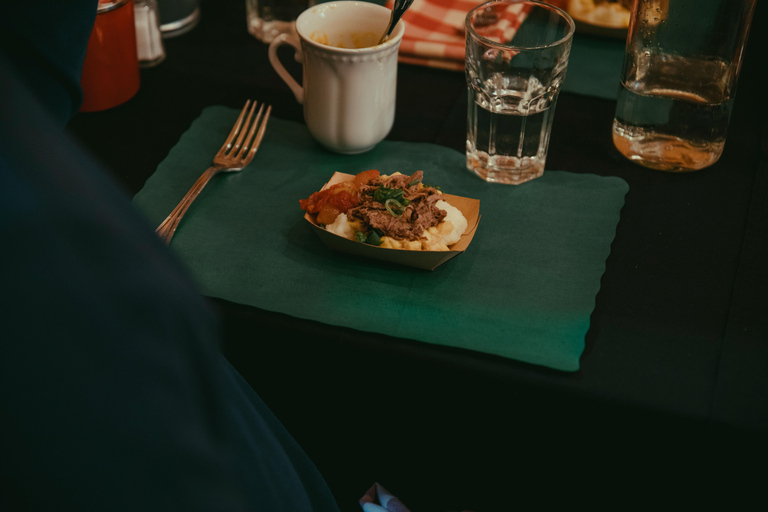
<point x="247" y="144"/>
<point x="235" y="129"/>
<point x="243" y="129"/>
<point x="257" y="142"/>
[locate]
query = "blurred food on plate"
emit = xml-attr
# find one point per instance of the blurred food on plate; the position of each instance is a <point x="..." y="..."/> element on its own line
<point x="607" y="13"/>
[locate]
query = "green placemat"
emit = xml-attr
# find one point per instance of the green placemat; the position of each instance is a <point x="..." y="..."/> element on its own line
<point x="524" y="289"/>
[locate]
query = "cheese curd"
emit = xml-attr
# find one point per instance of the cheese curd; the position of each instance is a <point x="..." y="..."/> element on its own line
<point x="342" y="227"/>
<point x="455" y="220"/>
<point x="434" y="239"/>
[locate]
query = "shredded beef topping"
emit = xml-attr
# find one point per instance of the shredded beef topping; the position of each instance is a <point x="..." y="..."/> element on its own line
<point x="419" y="215"/>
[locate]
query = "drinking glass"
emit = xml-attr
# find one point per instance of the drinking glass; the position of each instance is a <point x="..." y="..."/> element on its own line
<point x="516" y="57"/>
<point x="681" y="66"/>
<point x="269" y="18"/>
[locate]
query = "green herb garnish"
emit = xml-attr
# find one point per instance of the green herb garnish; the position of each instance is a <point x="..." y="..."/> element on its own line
<point x="374" y="238"/>
<point x="383" y="193"/>
<point x="394" y="207"/>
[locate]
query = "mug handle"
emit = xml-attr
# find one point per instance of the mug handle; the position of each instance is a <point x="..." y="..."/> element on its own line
<point x="291" y="40"/>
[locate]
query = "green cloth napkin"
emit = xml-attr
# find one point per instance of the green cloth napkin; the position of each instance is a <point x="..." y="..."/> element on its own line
<point x="524" y="289"/>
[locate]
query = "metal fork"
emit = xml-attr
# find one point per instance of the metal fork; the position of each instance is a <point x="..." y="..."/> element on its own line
<point x="236" y="153"/>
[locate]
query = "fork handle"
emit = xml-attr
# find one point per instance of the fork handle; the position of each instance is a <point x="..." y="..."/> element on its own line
<point x="196" y="188"/>
<point x="167" y="228"/>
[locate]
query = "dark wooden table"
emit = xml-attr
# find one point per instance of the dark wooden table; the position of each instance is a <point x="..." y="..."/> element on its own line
<point x="675" y="370"/>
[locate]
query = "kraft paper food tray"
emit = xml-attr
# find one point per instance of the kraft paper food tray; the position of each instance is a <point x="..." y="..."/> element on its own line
<point x="427" y="260"/>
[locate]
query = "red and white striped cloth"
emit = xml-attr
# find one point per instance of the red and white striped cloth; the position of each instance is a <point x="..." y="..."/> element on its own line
<point x="435" y="33"/>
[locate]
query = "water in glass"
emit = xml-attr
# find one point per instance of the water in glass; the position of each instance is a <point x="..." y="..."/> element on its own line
<point x="508" y="128"/>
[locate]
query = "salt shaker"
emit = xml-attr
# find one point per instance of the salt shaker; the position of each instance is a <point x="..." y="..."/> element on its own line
<point x="149" y="40"/>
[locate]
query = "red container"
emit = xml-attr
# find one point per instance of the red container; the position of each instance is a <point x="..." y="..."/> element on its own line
<point x="111" y="68"/>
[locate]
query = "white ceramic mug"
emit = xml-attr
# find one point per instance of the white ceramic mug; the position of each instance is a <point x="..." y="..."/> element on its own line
<point x="349" y="80"/>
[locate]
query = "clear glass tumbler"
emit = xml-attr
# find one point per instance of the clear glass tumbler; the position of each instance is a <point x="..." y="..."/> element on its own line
<point x="678" y="83"/>
<point x="516" y="57"/>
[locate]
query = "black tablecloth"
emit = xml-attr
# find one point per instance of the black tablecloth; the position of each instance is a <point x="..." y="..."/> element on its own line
<point x="676" y="356"/>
